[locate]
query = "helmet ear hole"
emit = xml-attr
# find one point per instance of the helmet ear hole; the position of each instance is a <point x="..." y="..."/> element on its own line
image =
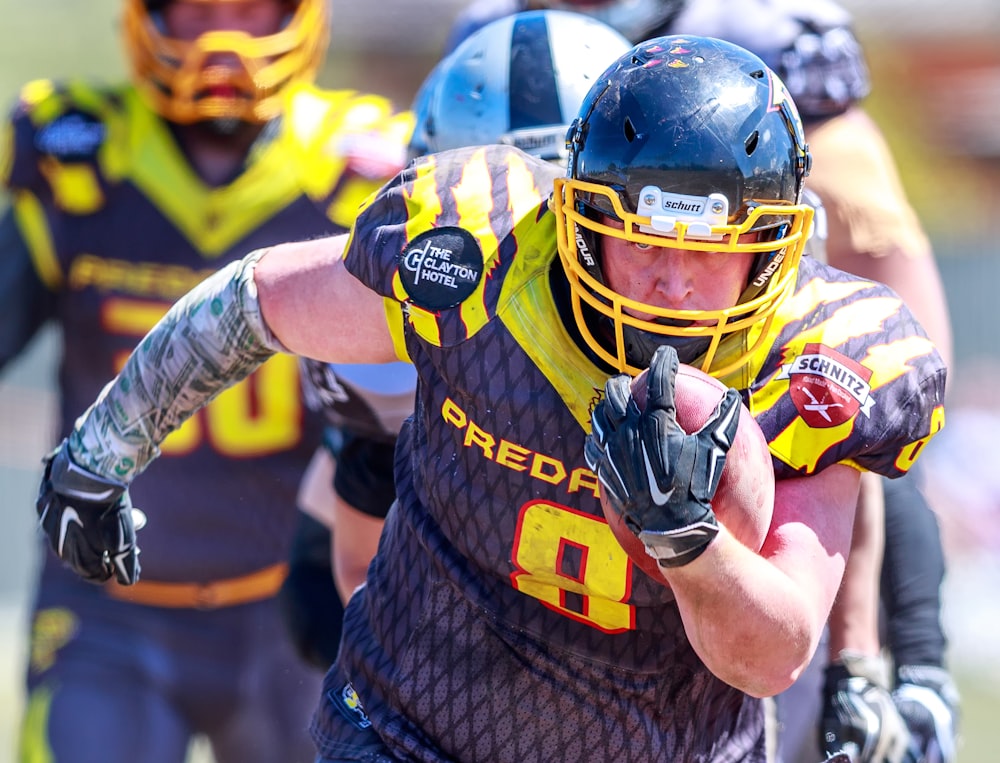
<point x="630" y="132"/>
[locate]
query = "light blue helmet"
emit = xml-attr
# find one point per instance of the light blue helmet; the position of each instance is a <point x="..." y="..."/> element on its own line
<point x="518" y="80"/>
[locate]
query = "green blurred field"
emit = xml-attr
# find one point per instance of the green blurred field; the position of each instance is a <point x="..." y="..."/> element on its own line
<point x="55" y="38"/>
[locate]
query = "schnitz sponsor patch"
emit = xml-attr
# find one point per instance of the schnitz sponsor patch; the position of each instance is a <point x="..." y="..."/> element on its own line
<point x="827" y="388"/>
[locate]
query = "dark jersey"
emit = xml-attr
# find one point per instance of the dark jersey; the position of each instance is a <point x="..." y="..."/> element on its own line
<point x="118" y="227"/>
<point x="501" y="620"/>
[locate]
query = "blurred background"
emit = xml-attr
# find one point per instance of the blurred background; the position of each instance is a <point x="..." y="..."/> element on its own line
<point x="936" y="72"/>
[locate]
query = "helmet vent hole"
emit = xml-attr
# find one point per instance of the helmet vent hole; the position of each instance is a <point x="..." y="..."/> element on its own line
<point x="750" y="144"/>
<point x="758" y="74"/>
<point x="630" y="132"/>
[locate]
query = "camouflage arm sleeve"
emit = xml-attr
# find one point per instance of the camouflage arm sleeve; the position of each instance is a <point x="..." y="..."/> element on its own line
<point x="213" y="337"/>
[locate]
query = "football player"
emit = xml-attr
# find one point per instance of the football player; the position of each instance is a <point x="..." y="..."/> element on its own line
<point x="500" y="619"/>
<point x="122" y="198"/>
<point x="869" y="228"/>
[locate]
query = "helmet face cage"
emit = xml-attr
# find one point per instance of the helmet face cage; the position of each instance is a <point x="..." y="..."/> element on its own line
<point x="518" y="80"/>
<point x="689" y="143"/>
<point x="180" y="81"/>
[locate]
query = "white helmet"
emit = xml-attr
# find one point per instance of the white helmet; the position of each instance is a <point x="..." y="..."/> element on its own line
<point x="518" y="80"/>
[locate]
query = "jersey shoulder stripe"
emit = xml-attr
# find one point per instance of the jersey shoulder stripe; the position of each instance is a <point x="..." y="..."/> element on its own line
<point x="850" y="377"/>
<point x="54" y="126"/>
<point x="454" y="235"/>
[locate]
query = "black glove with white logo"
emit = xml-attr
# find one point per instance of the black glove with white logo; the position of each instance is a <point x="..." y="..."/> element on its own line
<point x="660" y="479"/>
<point x="928" y="700"/>
<point x="859" y="717"/>
<point x="88" y="520"/>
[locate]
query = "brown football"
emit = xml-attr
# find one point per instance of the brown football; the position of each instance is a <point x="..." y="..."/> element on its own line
<point x="744" y="499"/>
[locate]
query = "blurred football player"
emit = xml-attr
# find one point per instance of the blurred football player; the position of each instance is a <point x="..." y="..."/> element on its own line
<point x="500" y="618"/>
<point x="122" y="198"/>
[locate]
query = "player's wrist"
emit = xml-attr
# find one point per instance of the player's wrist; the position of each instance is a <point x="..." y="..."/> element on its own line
<point x="68" y="474"/>
<point x="850" y="663"/>
<point x="680" y="547"/>
<point x="922" y="675"/>
<point x="107" y="457"/>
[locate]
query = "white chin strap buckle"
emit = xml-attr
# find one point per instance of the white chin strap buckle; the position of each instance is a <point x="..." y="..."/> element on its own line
<point x="665" y="210"/>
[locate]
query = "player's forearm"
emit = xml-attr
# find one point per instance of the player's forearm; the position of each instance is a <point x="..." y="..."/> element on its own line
<point x="355" y="542"/>
<point x="210" y="339"/>
<point x="749" y="623"/>
<point x="755" y="619"/>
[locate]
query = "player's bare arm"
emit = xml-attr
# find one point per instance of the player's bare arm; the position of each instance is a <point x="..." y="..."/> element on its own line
<point x="319" y="310"/>
<point x="737" y="604"/>
<point x="354" y="545"/>
<point x="854" y="617"/>
<point x="661" y="482"/>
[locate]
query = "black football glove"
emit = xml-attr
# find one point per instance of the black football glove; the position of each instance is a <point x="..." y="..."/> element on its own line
<point x="654" y="474"/>
<point x="88" y="520"/>
<point x="928" y="700"/>
<point x="859" y="717"/>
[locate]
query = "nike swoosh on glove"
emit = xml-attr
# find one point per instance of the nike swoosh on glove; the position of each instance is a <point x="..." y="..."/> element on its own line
<point x="88" y="520"/>
<point x="659" y="478"/>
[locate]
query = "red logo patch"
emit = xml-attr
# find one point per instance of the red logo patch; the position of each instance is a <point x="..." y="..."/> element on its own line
<point x="827" y="388"/>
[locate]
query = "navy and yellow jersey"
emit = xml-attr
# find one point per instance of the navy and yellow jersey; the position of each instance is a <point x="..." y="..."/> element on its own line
<point x="496" y="568"/>
<point x="850" y="377"/>
<point x="118" y="226"/>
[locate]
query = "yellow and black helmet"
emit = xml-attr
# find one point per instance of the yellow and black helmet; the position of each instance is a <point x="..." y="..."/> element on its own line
<point x="687" y="143"/>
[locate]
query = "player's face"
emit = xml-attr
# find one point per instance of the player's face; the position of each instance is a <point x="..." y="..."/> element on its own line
<point x="677" y="279"/>
<point x="189" y="19"/>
